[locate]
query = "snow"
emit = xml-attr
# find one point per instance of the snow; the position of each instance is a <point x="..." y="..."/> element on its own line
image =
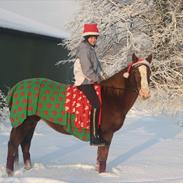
<point x="148" y="149"/>
<point x="40" y="17"/>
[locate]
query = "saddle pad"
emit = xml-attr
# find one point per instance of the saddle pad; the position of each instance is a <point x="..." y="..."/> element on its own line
<point x="78" y="104"/>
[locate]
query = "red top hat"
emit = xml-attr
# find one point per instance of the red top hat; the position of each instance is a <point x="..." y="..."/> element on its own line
<point x="90" y="29"/>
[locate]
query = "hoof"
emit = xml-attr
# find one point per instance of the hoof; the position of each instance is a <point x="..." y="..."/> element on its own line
<point x="9" y="172"/>
<point x="27" y="161"/>
<point x="27" y="165"/>
<point x="101" y="166"/>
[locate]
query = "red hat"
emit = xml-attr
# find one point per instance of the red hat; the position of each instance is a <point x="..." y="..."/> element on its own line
<point x="90" y="29"/>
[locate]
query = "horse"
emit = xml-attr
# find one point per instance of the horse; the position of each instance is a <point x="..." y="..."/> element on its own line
<point x="118" y="93"/>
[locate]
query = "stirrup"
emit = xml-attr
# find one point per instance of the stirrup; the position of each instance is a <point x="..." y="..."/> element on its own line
<point x="97" y="141"/>
<point x="97" y="144"/>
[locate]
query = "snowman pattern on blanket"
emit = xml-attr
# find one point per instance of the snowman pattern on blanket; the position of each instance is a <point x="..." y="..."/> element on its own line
<point x="77" y="103"/>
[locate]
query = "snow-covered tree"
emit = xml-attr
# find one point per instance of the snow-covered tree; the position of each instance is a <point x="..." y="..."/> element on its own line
<point x="4" y="112"/>
<point x="140" y="26"/>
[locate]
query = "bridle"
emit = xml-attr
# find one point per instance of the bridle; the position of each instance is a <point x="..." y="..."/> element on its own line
<point x="138" y="63"/>
<point x="122" y="89"/>
<point x="132" y="65"/>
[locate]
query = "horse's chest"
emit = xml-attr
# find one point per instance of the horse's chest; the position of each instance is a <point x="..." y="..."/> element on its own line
<point x="113" y="112"/>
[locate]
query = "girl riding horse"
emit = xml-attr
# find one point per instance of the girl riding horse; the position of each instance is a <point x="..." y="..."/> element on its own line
<point x="87" y="71"/>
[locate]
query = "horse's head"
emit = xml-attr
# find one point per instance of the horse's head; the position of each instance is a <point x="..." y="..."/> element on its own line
<point x="138" y="74"/>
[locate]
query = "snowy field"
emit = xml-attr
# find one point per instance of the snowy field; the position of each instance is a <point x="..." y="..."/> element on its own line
<point x="148" y="149"/>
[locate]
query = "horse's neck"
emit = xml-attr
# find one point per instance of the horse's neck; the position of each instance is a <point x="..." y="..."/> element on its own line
<point x="119" y="92"/>
<point x="117" y="81"/>
<point x="114" y="86"/>
<point x="118" y="86"/>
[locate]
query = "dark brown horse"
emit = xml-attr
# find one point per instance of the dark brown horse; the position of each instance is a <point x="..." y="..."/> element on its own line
<point x="118" y="96"/>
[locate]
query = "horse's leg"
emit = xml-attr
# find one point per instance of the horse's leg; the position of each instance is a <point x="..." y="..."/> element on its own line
<point x="16" y="158"/>
<point x="16" y="136"/>
<point x="102" y="154"/>
<point x="26" y="143"/>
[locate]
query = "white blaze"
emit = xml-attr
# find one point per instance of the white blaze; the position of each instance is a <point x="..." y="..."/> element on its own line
<point x="144" y="91"/>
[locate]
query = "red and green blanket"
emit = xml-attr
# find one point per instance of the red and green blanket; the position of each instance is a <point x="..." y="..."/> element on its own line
<point x="57" y="102"/>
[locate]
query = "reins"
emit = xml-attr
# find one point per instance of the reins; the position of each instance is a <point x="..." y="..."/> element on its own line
<point x="130" y="89"/>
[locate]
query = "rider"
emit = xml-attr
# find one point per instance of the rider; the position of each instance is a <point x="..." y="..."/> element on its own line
<point x="87" y="71"/>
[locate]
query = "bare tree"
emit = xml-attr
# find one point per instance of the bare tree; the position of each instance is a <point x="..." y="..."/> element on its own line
<point x="140" y="26"/>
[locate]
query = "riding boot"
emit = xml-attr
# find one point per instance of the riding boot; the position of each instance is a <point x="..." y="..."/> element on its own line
<point x="95" y="135"/>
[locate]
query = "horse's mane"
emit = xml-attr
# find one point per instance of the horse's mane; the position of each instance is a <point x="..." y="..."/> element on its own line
<point x="115" y="85"/>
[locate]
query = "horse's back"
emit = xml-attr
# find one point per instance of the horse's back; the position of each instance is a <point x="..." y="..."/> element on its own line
<point x="26" y="98"/>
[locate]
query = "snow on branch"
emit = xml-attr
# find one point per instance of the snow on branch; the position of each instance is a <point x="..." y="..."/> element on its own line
<point x="140" y="26"/>
<point x="4" y="113"/>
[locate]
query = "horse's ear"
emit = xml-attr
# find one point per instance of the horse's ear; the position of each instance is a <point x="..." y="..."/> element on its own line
<point x="149" y="58"/>
<point x="134" y="58"/>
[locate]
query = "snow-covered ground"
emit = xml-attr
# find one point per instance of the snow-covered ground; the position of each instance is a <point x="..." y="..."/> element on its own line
<point x="148" y="149"/>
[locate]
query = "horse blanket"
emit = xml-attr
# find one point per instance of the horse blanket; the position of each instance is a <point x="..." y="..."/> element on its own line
<point x="53" y="101"/>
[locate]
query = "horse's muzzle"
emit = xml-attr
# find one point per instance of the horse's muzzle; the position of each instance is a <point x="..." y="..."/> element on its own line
<point x="144" y="93"/>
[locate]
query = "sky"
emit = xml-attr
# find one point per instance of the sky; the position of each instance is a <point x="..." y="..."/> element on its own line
<point x="39" y="16"/>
